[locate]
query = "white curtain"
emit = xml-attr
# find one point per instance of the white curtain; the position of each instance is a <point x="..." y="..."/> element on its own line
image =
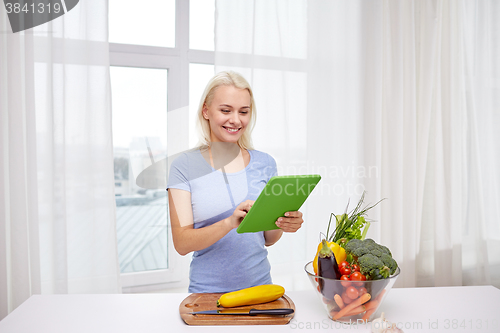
<point x="57" y="211"/>
<point x="398" y="98"/>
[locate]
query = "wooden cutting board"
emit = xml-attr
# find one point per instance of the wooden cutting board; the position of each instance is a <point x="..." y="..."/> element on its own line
<point x="203" y="302"/>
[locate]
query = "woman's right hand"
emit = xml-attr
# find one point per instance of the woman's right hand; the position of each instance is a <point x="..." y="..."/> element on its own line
<point x="239" y="213"/>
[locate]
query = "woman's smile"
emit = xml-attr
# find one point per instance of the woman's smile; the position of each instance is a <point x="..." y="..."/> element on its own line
<point x="228" y="114"/>
<point x="231" y="129"/>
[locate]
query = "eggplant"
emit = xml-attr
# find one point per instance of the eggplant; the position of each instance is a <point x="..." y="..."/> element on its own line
<point x="328" y="268"/>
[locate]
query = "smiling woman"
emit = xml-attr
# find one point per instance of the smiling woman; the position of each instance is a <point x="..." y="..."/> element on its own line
<point x="228" y="114"/>
<point x="210" y="193"/>
<point x="228" y="94"/>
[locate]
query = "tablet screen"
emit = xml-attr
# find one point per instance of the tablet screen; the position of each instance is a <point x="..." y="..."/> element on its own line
<point x="280" y="195"/>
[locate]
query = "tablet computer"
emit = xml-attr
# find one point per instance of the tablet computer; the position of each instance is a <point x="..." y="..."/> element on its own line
<point x="280" y="195"/>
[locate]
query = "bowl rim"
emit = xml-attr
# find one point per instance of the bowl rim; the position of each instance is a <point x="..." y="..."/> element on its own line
<point x="396" y="274"/>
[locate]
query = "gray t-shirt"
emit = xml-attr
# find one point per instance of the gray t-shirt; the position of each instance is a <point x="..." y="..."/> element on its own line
<point x="236" y="261"/>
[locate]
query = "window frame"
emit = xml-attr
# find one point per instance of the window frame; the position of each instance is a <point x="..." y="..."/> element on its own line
<point x="176" y="61"/>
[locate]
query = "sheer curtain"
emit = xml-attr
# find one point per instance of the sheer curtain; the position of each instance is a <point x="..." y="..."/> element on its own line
<point x="57" y="215"/>
<point x="398" y="98"/>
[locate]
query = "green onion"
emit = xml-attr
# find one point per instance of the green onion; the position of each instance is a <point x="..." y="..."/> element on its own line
<point x="346" y="227"/>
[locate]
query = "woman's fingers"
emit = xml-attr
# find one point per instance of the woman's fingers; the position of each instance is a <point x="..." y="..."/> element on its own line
<point x="246" y="205"/>
<point x="291" y="222"/>
<point x="240" y="212"/>
<point x="296" y="214"/>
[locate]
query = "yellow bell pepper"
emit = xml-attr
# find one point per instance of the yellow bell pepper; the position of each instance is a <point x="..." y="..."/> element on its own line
<point x="337" y="250"/>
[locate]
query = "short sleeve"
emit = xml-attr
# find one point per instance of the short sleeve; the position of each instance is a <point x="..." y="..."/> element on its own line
<point x="271" y="169"/>
<point x="178" y="174"/>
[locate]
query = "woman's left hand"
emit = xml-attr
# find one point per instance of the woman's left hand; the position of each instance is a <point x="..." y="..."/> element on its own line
<point x="291" y="222"/>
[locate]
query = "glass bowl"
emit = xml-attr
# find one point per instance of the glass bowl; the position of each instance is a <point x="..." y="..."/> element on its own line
<point x="350" y="291"/>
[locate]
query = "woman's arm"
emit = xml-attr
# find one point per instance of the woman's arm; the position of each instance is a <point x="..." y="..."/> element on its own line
<point x="272" y="236"/>
<point x="186" y="238"/>
<point x="290" y="223"/>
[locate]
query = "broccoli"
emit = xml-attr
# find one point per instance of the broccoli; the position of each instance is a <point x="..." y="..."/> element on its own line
<point x="375" y="260"/>
<point x="389" y="262"/>
<point x="371" y="266"/>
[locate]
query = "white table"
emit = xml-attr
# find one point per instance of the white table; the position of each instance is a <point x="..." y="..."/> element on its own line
<point x="448" y="309"/>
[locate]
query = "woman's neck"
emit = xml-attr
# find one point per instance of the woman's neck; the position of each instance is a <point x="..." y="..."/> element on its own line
<point x="227" y="157"/>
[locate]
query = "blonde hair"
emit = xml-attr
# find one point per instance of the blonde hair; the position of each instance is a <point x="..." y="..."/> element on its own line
<point x="227" y="78"/>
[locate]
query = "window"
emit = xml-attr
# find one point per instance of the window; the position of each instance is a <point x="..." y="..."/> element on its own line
<point x="161" y="54"/>
<point x="201" y="23"/>
<point x="151" y="23"/>
<point x="139" y="139"/>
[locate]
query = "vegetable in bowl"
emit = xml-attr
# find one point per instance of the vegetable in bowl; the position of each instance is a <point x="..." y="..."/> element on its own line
<point x="348" y="226"/>
<point x="353" y="300"/>
<point x="350" y="273"/>
<point x="375" y="260"/>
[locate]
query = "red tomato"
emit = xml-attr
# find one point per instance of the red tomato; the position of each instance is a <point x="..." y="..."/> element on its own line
<point x="345" y="270"/>
<point x="344" y="264"/>
<point x="357" y="276"/>
<point x="352" y="293"/>
<point x="343" y="280"/>
<point x="346" y="299"/>
<point x="355" y="268"/>
<point x="362" y="291"/>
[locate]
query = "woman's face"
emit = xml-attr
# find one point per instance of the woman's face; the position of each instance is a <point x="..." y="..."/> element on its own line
<point x="228" y="114"/>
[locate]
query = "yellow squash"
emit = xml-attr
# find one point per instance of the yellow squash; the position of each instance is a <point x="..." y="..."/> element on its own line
<point x="253" y="295"/>
<point x="337" y="250"/>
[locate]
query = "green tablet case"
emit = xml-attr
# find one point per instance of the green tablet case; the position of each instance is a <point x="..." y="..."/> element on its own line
<point x="280" y="195"/>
